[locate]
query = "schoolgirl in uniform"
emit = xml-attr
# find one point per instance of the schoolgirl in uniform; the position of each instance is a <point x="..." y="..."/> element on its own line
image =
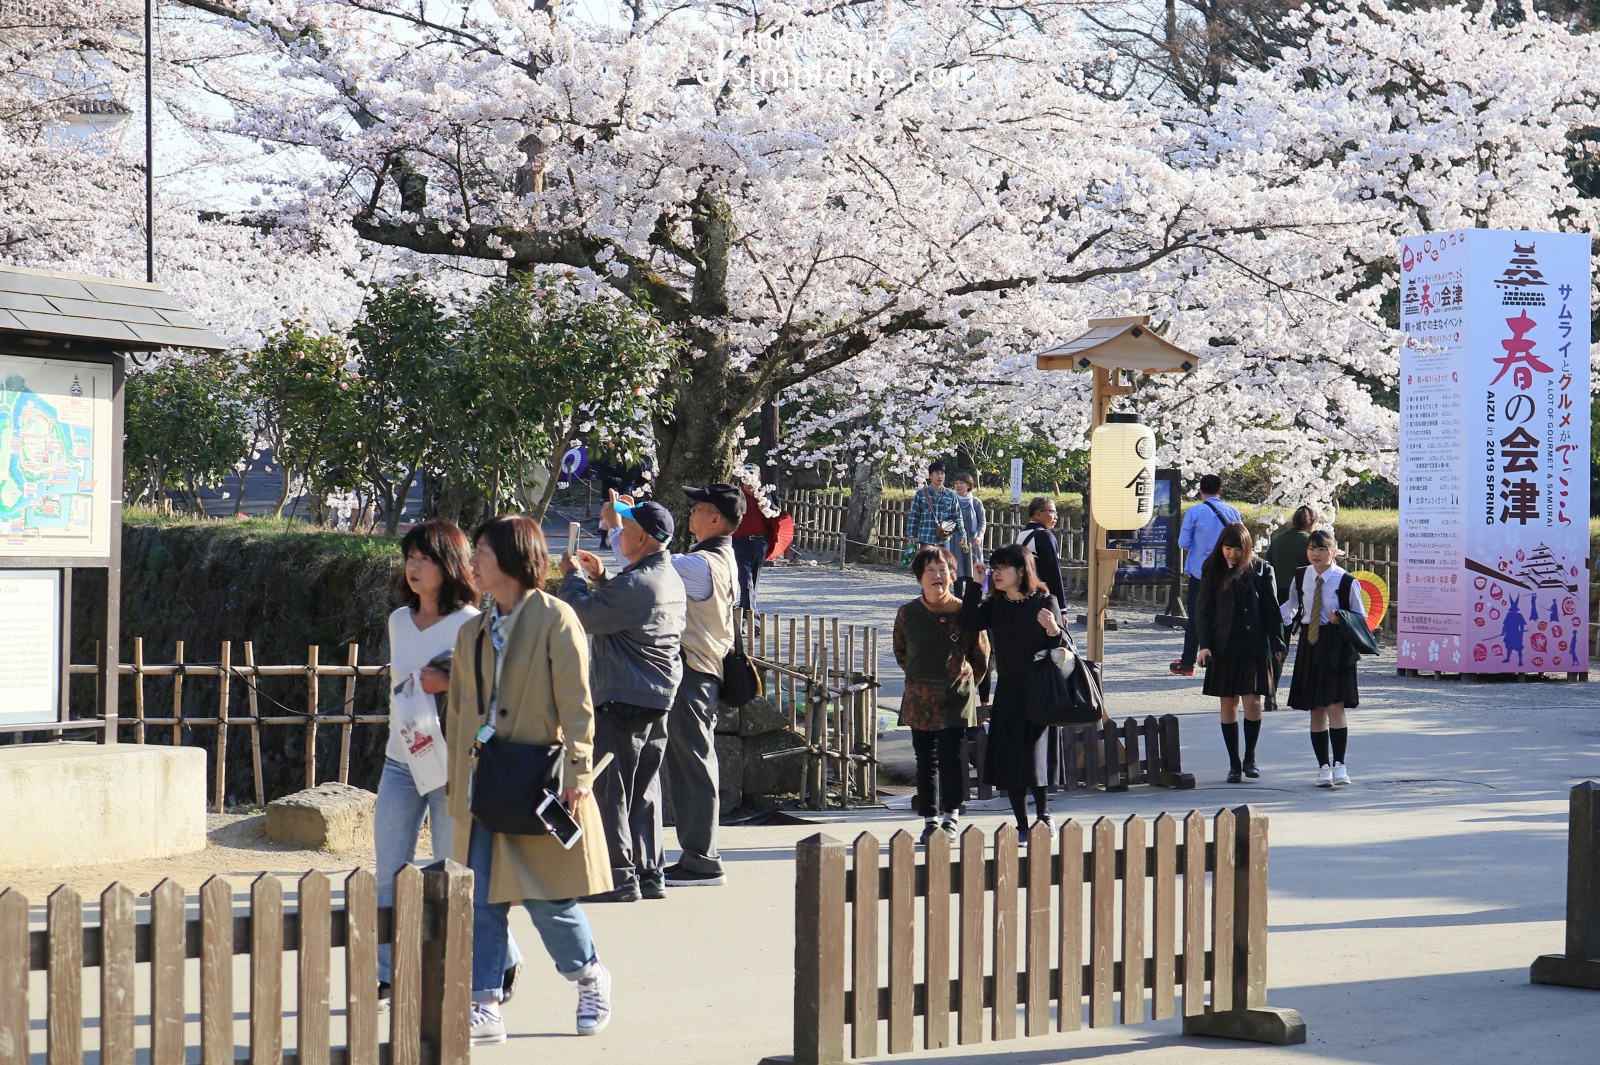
<point x="1319" y="592"/>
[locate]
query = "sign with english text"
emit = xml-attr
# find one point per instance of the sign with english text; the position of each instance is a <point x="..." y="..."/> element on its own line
<point x="1494" y="452"/>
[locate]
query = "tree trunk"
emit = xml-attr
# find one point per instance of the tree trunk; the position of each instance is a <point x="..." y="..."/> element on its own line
<point x="697" y="446"/>
<point x="866" y="492"/>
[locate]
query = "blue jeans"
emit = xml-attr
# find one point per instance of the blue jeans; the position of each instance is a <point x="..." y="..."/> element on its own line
<point x="560" y="923"/>
<point x="397" y="822"/>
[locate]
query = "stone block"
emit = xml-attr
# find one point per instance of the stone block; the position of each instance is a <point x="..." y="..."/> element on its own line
<point x="1260" y="1024"/>
<point x="730" y="772"/>
<point x="69" y="804"/>
<point x="329" y="817"/>
<point x="727" y="720"/>
<point x="772" y="776"/>
<point x="757" y="718"/>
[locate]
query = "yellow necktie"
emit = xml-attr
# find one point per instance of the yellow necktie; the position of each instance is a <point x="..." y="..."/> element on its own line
<point x="1314" y="626"/>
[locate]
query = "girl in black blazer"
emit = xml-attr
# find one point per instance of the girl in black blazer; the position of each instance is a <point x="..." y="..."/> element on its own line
<point x="1240" y="632"/>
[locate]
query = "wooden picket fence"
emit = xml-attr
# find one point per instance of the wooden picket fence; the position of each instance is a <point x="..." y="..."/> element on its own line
<point x="819" y="527"/>
<point x="429" y="929"/>
<point x="857" y="922"/>
<point x="823" y="664"/>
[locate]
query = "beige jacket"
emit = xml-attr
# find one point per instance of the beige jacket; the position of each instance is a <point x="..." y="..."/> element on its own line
<point x="544" y="698"/>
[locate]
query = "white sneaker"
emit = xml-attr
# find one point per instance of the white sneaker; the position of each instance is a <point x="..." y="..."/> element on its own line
<point x="1325" y="776"/>
<point x="594" y="1001"/>
<point x="487" y="1024"/>
<point x="1340" y="776"/>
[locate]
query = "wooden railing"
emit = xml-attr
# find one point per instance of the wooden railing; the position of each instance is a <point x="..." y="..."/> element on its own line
<point x="240" y="678"/>
<point x="843" y="929"/>
<point x="830" y="667"/>
<point x="429" y="929"/>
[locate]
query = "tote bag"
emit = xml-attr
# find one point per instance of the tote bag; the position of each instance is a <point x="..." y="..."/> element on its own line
<point x="414" y="716"/>
<point x="1062" y="690"/>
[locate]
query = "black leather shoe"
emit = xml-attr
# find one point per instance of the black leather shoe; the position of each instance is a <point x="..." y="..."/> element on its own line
<point x="1234" y="776"/>
<point x="1251" y="771"/>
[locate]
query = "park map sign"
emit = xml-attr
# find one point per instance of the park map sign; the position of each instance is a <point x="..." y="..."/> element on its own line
<point x="55" y="459"/>
<point x="1494" y="452"/>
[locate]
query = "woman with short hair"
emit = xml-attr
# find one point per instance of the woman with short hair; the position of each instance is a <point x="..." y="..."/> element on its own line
<point x="940" y="659"/>
<point x="522" y="676"/>
<point x="966" y="543"/>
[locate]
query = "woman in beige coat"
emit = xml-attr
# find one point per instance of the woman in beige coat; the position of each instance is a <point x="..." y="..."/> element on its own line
<point x="533" y="659"/>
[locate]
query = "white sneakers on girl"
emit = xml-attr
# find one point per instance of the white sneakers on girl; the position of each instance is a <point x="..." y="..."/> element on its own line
<point x="1325" y="776"/>
<point x="1340" y="776"/>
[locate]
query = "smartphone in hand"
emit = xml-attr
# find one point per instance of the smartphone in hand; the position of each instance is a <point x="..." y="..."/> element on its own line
<point x="558" y="820"/>
<point x="573" y="533"/>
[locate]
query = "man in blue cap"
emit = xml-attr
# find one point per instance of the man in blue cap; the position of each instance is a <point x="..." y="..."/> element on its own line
<point x="636" y="618"/>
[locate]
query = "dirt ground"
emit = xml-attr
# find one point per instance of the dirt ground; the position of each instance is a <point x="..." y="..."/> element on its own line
<point x="237" y="849"/>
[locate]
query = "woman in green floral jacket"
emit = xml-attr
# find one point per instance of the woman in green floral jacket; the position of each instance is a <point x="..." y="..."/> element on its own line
<point x="940" y="660"/>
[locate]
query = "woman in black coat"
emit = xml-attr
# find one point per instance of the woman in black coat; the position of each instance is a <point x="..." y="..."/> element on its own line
<point x="1241" y="635"/>
<point x="1022" y="618"/>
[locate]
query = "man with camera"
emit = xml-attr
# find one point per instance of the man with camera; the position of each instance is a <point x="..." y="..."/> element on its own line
<point x="935" y="512"/>
<point x="636" y="618"/>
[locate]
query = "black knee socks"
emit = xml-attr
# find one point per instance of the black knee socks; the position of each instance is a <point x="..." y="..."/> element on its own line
<point x="1319" y="743"/>
<point x="1341" y="739"/>
<point x="1019" y="806"/>
<point x="1230" y="736"/>
<point x="1252" y="732"/>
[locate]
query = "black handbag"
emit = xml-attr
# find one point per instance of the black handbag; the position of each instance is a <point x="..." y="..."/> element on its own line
<point x="1063" y="689"/>
<point x="741" y="680"/>
<point x="510" y="780"/>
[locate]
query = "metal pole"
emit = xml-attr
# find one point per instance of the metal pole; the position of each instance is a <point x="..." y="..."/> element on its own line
<point x="149" y="143"/>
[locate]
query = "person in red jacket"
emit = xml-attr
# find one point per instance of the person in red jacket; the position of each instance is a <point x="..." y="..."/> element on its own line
<point x="750" y="547"/>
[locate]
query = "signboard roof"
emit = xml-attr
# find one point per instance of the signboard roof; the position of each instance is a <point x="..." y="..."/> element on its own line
<point x="1118" y="343"/>
<point x="125" y="315"/>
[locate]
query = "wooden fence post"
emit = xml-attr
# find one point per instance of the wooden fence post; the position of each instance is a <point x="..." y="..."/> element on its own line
<point x="13" y="978"/>
<point x="1580" y="965"/>
<point x="447" y="964"/>
<point x="1248" y="1016"/>
<point x="819" y="953"/>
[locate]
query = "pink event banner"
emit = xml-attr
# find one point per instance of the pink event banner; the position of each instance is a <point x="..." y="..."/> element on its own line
<point x="1494" y="452"/>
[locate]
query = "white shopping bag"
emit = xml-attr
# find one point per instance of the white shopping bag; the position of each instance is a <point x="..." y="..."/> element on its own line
<point x="414" y="716"/>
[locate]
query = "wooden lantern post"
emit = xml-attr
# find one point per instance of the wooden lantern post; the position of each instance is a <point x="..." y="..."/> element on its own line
<point x="1112" y="350"/>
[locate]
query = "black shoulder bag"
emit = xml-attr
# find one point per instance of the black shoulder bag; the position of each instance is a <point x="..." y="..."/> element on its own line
<point x="510" y="780"/>
<point x="741" y="681"/>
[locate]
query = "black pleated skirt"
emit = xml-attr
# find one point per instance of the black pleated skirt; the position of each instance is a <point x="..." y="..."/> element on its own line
<point x="1232" y="675"/>
<point x="1313" y="686"/>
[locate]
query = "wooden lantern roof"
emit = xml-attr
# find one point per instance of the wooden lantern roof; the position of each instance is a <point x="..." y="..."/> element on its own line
<point x="48" y="310"/>
<point x="1119" y="344"/>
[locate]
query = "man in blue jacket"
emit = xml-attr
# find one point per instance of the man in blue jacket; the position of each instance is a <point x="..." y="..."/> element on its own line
<point x="1202" y="525"/>
<point x="636" y="618"/>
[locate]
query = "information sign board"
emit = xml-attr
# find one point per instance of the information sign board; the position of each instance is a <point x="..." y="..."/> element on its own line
<point x="1494" y="452"/>
<point x="30" y="652"/>
<point x="56" y="490"/>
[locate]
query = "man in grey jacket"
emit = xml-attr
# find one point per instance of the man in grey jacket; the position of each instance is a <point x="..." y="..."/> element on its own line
<point x="636" y="619"/>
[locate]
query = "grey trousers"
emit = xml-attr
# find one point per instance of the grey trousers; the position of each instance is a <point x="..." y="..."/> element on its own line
<point x="629" y="791"/>
<point x="692" y="770"/>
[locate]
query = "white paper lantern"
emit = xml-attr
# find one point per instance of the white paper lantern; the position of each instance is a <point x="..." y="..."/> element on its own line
<point x="1122" y="473"/>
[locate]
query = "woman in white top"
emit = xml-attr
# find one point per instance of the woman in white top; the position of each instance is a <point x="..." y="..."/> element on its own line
<point x="1319" y="592"/>
<point x="438" y="597"/>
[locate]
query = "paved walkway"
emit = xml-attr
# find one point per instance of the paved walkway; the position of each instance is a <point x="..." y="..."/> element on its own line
<point x="1405" y="909"/>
